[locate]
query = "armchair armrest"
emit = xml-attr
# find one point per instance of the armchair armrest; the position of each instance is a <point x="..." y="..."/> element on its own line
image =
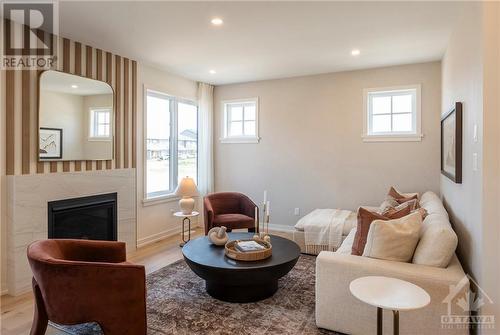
<point x="334" y="273"/>
<point x="208" y="214"/>
<point x="94" y="251"/>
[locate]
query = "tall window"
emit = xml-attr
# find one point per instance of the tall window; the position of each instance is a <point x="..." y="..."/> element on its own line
<point x="240" y="121"/>
<point x="100" y="123"/>
<point x="171" y="142"/>
<point x="392" y="114"/>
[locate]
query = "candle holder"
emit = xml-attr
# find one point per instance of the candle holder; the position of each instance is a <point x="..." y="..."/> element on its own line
<point x="264" y="233"/>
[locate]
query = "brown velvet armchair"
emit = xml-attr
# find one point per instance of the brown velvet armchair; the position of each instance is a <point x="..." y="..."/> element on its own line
<point x="230" y="209"/>
<point x="78" y="281"/>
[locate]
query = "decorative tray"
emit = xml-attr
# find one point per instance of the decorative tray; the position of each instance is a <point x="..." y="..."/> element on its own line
<point x="232" y="252"/>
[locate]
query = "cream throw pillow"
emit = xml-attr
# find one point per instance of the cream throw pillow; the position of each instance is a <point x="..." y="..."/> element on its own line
<point x="394" y="240"/>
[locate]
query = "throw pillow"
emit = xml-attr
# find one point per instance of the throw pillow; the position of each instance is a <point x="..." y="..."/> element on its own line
<point x="394" y="240"/>
<point x="401" y="197"/>
<point x="387" y="204"/>
<point x="365" y="218"/>
<point x="413" y="204"/>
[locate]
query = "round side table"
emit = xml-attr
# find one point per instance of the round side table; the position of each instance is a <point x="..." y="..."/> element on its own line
<point x="186" y="218"/>
<point x="389" y="293"/>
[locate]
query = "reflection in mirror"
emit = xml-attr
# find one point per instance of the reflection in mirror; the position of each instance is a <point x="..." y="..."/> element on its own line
<point x="75" y="118"/>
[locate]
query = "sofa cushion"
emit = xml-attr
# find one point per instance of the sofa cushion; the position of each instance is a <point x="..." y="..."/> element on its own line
<point x="438" y="241"/>
<point x="365" y="218"/>
<point x="394" y="240"/>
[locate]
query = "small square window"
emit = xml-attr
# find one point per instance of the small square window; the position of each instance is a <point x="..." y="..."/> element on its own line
<point x="100" y="123"/>
<point x="392" y="114"/>
<point x="240" y="121"/>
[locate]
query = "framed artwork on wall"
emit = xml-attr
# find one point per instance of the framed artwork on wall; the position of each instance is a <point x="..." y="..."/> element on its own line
<point x="50" y="140"/>
<point x="451" y="144"/>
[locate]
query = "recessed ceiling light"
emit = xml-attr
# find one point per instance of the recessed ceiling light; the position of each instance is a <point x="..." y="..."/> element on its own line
<point x="212" y="72"/>
<point x="355" y="52"/>
<point x="217" y="21"/>
<point x="74" y="86"/>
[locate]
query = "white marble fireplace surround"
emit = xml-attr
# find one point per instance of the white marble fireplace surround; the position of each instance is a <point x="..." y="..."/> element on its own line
<point x="27" y="198"/>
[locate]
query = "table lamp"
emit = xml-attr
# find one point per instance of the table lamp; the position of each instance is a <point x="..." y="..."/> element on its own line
<point x="187" y="190"/>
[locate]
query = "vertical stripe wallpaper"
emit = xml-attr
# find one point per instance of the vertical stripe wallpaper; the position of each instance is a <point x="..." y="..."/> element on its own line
<point x="21" y="105"/>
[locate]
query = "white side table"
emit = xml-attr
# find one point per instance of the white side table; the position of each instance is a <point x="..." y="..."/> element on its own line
<point x="186" y="217"/>
<point x="389" y="293"/>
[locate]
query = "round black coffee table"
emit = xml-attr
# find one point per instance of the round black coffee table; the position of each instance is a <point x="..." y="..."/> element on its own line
<point x="237" y="281"/>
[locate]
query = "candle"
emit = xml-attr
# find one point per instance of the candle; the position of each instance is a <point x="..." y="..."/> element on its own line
<point x="256" y="219"/>
<point x="268" y="205"/>
<point x="265" y="196"/>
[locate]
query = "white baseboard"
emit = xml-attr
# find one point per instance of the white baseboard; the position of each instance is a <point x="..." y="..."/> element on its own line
<point x="281" y="227"/>
<point x="160" y="236"/>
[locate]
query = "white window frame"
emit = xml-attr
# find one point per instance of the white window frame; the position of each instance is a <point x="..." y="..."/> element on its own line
<point x="225" y="138"/>
<point x="173" y="163"/>
<point x="414" y="135"/>
<point x="91" y="136"/>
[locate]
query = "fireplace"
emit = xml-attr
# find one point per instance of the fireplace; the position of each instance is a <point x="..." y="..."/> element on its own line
<point x="91" y="218"/>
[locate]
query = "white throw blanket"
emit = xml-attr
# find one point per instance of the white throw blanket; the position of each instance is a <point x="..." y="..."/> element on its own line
<point x="323" y="229"/>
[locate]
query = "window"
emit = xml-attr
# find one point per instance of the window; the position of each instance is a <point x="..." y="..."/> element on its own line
<point x="392" y="114"/>
<point x="240" y="119"/>
<point x="100" y="123"/>
<point x="171" y="143"/>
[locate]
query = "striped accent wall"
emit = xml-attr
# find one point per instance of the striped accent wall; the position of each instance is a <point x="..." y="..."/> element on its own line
<point x="21" y="106"/>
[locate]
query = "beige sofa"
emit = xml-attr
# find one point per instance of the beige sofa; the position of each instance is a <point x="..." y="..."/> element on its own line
<point x="438" y="272"/>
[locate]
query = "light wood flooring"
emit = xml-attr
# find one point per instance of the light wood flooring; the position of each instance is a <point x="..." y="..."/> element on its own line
<point x="17" y="312"/>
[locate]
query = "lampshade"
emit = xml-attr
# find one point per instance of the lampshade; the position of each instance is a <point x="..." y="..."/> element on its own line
<point x="186" y="188"/>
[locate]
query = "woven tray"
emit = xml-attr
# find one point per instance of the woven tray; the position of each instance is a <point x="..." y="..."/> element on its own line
<point x="248" y="256"/>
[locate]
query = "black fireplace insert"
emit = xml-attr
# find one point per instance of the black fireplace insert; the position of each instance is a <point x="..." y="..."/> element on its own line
<point x="92" y="218"/>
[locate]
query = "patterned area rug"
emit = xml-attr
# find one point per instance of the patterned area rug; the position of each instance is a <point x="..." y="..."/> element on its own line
<point x="178" y="304"/>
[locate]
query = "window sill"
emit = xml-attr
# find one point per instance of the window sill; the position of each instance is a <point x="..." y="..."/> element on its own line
<point x="99" y="139"/>
<point x="162" y="199"/>
<point x="240" y="140"/>
<point x="393" y="138"/>
<point x="159" y="200"/>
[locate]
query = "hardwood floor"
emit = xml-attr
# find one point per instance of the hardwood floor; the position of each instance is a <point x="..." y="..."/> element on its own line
<point x="17" y="312"/>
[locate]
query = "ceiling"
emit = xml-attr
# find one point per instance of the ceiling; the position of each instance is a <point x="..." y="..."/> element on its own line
<point x="263" y="40"/>
<point x="56" y="81"/>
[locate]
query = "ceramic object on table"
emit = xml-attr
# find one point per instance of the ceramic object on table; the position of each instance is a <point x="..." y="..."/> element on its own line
<point x="218" y="235"/>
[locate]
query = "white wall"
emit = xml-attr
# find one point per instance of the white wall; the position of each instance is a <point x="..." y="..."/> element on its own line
<point x="311" y="154"/>
<point x="471" y="74"/>
<point x="70" y="121"/>
<point x="462" y="80"/>
<point x="155" y="220"/>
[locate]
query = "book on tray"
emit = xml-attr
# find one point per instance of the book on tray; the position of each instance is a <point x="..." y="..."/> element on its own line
<point x="246" y="246"/>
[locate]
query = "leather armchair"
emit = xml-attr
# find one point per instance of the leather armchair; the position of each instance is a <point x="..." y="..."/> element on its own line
<point x="230" y="209"/>
<point x="78" y="281"/>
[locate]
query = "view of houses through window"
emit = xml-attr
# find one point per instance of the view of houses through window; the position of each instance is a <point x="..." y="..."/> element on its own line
<point x="171" y="142"/>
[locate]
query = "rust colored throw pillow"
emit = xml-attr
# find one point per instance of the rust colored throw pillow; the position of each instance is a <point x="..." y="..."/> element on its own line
<point x="365" y="218"/>
<point x="402" y="198"/>
<point x="390" y="210"/>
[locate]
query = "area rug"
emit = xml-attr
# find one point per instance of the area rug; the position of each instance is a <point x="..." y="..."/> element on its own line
<point x="178" y="304"/>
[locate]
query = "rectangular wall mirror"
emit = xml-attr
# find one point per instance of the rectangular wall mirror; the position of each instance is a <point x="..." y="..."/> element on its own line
<point x="75" y="118"/>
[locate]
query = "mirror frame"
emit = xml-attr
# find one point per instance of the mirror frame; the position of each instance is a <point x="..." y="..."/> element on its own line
<point x="39" y="159"/>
